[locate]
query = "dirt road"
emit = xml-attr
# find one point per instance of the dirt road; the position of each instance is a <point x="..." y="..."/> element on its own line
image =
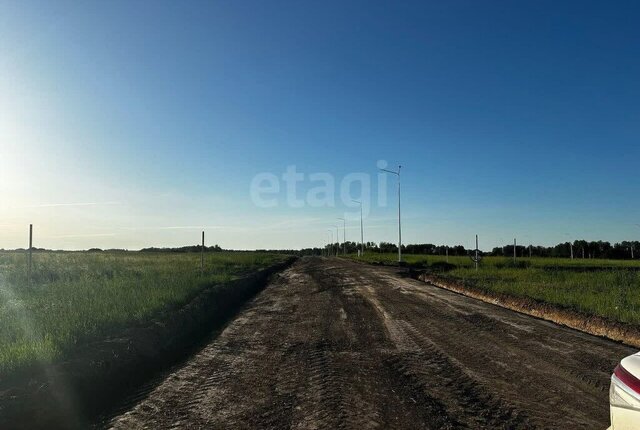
<point x="335" y="344"/>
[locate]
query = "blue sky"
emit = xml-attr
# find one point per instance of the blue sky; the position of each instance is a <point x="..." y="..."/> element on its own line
<point x="132" y="124"/>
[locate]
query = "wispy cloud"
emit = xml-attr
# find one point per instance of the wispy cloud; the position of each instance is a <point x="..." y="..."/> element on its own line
<point x="68" y="236"/>
<point x="55" y="205"/>
<point x="195" y="227"/>
<point x="290" y="223"/>
<point x="186" y="227"/>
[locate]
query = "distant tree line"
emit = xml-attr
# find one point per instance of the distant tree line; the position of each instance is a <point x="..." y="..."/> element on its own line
<point x="192" y="248"/>
<point x="581" y="249"/>
<point x="387" y="247"/>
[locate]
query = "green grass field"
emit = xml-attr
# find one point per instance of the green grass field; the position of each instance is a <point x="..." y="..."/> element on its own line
<point x="76" y="297"/>
<point x="608" y="288"/>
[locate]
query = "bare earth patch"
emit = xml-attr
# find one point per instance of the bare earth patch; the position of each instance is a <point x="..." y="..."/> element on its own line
<point x="336" y="344"/>
<point x="598" y="326"/>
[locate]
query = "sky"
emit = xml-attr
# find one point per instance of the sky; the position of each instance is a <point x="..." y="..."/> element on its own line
<point x="128" y="124"/>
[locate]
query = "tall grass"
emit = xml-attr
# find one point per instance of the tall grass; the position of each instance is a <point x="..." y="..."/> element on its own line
<point x="465" y="261"/>
<point x="608" y="288"/>
<point x="609" y="293"/>
<point x="76" y="297"/>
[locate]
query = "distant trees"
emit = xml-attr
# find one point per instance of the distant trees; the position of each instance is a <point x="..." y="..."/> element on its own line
<point x="507" y="251"/>
<point x="581" y="249"/>
<point x="431" y="249"/>
<point x="388" y="247"/>
<point x="192" y="248"/>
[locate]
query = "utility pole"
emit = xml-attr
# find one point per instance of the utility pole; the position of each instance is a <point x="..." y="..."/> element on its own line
<point x="30" y="257"/>
<point x="337" y="239"/>
<point x="202" y="255"/>
<point x="344" y="236"/>
<point x="514" y="250"/>
<point x="361" y="229"/>
<point x="447" y="251"/>
<point x="330" y="250"/>
<point x="476" y="260"/>
<point x="570" y="244"/>
<point x="399" y="217"/>
<point x="324" y="248"/>
<point x="328" y="244"/>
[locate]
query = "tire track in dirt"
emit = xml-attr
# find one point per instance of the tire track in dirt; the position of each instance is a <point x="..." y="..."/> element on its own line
<point x="334" y="344"/>
<point x="301" y="355"/>
<point x="504" y="356"/>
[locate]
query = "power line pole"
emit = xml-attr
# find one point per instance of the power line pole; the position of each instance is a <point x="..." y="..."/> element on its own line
<point x="344" y="236"/>
<point x="514" y="250"/>
<point x="399" y="217"/>
<point x="30" y="251"/>
<point x="361" y="229"/>
<point x="202" y="255"/>
<point x="570" y="244"/>
<point x="326" y="244"/>
<point x="476" y="260"/>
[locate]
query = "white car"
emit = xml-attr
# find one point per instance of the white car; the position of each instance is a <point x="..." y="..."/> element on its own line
<point x="624" y="394"/>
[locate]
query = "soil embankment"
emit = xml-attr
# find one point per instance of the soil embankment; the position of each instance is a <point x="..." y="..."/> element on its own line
<point x="72" y="393"/>
<point x="597" y="326"/>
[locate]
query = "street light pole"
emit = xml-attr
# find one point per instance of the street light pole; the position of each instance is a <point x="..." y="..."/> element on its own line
<point x="570" y="244"/>
<point x="361" y="229"/>
<point x="399" y="218"/>
<point x="476" y="260"/>
<point x="330" y="250"/>
<point x="337" y="239"/>
<point x="325" y="245"/>
<point x="344" y="236"/>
